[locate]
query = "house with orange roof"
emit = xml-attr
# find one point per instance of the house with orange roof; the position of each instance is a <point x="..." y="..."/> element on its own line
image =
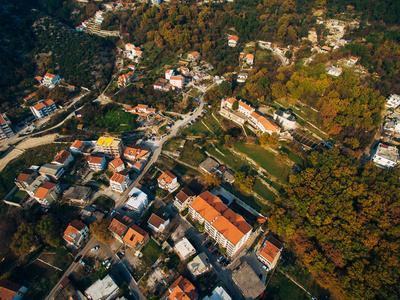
<point x="43" y="108"/>
<point x="233" y="40"/>
<point x="137" y="156"/>
<point x="270" y="252"/>
<point x="76" y="146"/>
<point x="177" y="81"/>
<point x="119" y="226"/>
<point x="352" y="60"/>
<point x="50" y="80"/>
<point x="125" y="79"/>
<point x="326" y="49"/>
<point x="119" y="182"/>
<point x="168" y="181"/>
<point x="184" y="70"/>
<point x="265" y="125"/>
<point x="169" y="73"/>
<point x="39" y="78"/>
<point x="229" y="102"/>
<point x="116" y="165"/>
<point x="245" y="108"/>
<point x="194" y="56"/>
<point x="158" y="221"/>
<point x="26" y="178"/>
<point x="182" y="289"/>
<point x="47" y="193"/>
<point x="30" y="97"/>
<point x="229" y="229"/>
<point x="75" y="233"/>
<point x="184" y="198"/>
<point x="249" y="59"/>
<point x="96" y="162"/>
<point x="11" y="291"/>
<point x="129" y="46"/>
<point x="63" y="158"/>
<point x="136" y="237"/>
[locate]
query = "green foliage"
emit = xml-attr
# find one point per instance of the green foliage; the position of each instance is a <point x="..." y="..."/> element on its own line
<point x="104" y="203"/>
<point x="24" y="239"/>
<point x="99" y="230"/>
<point x="269" y="139"/>
<point x="244" y="181"/>
<point x="151" y="252"/>
<point x="235" y="105"/>
<point x="340" y="217"/>
<point x="48" y="229"/>
<point x="225" y="88"/>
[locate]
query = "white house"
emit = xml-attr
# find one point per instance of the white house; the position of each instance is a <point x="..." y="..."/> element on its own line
<point x="138" y="200"/>
<point x="393" y="101"/>
<point x="199" y="265"/>
<point x="229" y="102"/>
<point x="242" y="77"/>
<point x="43" y="108"/>
<point x="75" y="233"/>
<point x="183" y="198"/>
<point x="96" y="163"/>
<point x="169" y="73"/>
<point x="47" y="194"/>
<point x="218" y="294"/>
<point x="116" y="165"/>
<point x="63" y="158"/>
<point x="265" y="125"/>
<point x="270" y="252"/>
<point x="177" y="81"/>
<point x="158" y="222"/>
<point x="233" y="40"/>
<point x="184" y="249"/>
<point x="119" y="182"/>
<point x="168" y="181"/>
<point x="76" y="147"/>
<point x="386" y="156"/>
<point x="50" y="80"/>
<point x="334" y="71"/>
<point x="285" y="118"/>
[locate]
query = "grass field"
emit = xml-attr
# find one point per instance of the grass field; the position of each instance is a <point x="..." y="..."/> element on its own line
<point x="230" y="159"/>
<point x="151" y="252"/>
<point x="121" y="118"/>
<point x="263" y="191"/>
<point x="282" y="288"/>
<point x="192" y="154"/>
<point x="213" y="124"/>
<point x="266" y="160"/>
<point x="196" y="129"/>
<point x="194" y="92"/>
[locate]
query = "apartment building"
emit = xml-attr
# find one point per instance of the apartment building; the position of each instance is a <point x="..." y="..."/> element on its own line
<point x="50" y="80"/>
<point x="168" y="181"/>
<point x="96" y="163"/>
<point x="75" y="233"/>
<point x="183" y="198"/>
<point x="270" y="252"/>
<point x="5" y="130"/>
<point x="47" y="194"/>
<point x="386" y="156"/>
<point x="43" y="108"/>
<point x="26" y="178"/>
<point x="119" y="182"/>
<point x="109" y="146"/>
<point x="177" y="81"/>
<point x="245" y="108"/>
<point x="229" y="229"/>
<point x="63" y="158"/>
<point x="116" y="165"/>
<point x="53" y="170"/>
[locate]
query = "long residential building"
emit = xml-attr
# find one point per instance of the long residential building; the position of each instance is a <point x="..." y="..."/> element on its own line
<point x="5" y="130"/>
<point x="229" y="229"/>
<point x="110" y="146"/>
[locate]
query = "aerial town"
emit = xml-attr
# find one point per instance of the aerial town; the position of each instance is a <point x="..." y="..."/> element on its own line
<point x="200" y="150"/>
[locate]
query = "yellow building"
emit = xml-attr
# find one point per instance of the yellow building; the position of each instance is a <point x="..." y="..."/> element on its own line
<point x="110" y="146"/>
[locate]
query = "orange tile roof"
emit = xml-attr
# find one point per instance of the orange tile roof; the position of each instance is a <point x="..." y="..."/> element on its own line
<point x="182" y="289"/>
<point x="2" y="121"/>
<point x="270" y="125"/>
<point x="234" y="37"/>
<point x="250" y="56"/>
<point x="77" y="144"/>
<point x="167" y="177"/>
<point x="327" y="48"/>
<point x="142" y="106"/>
<point x="44" y="189"/>
<point x="176" y="78"/>
<point x="231" y="225"/>
<point x="29" y="97"/>
<point x="138" y="165"/>
<point x="271" y="249"/>
<point x="135" y="235"/>
<point x="231" y="100"/>
<point x="184" y="195"/>
<point x="24" y="175"/>
<point x="49" y="75"/>
<point x="8" y="289"/>
<point x="118" y="177"/>
<point x="246" y="106"/>
<point x="49" y="102"/>
<point x="155" y="220"/>
<point x="95" y="159"/>
<point x="353" y="58"/>
<point x="39" y="106"/>
<point x="61" y="156"/>
<point x="117" y="162"/>
<point x="119" y="224"/>
<point x="136" y="151"/>
<point x="255" y="115"/>
<point x="195" y="53"/>
<point x="38" y="78"/>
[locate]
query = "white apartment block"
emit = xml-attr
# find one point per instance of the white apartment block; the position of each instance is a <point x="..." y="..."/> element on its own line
<point x="50" y="80"/>
<point x="229" y="229"/>
<point x="386" y="156"/>
<point x="119" y="182"/>
<point x="245" y="109"/>
<point x="43" y="108"/>
<point x="393" y="101"/>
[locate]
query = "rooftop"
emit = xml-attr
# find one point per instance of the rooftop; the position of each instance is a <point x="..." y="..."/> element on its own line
<point x="76" y="144"/>
<point x="184" y="248"/>
<point x="61" y="157"/>
<point x="135" y="235"/>
<point x="156" y="220"/>
<point x="184" y="194"/>
<point x="271" y="248"/>
<point x="78" y="192"/>
<point x="167" y="177"/>
<point x="102" y="288"/>
<point x="248" y="282"/>
<point x="389" y="152"/>
<point x="245" y="106"/>
<point x="119" y="224"/>
<point x="209" y="164"/>
<point x="182" y="289"/>
<point x="199" y="264"/>
<point x="119" y="177"/>
<point x="117" y="162"/>
<point x="95" y="159"/>
<point x="44" y="189"/>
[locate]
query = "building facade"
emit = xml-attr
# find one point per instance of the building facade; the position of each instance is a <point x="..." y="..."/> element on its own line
<point x="43" y="108"/>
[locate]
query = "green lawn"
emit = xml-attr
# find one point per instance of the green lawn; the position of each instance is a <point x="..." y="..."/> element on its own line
<point x="232" y="160"/>
<point x="18" y="196"/>
<point x="266" y="160"/>
<point x="151" y="252"/>
<point x="192" y="154"/>
<point x="119" y="119"/>
<point x="282" y="288"/>
<point x="263" y="191"/>
<point x="213" y="124"/>
<point x="194" y="92"/>
<point x="196" y="129"/>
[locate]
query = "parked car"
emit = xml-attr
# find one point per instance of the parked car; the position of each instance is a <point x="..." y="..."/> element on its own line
<point x="207" y="244"/>
<point x="265" y="268"/>
<point x="211" y="248"/>
<point x="217" y="255"/>
<point x="106" y="261"/>
<point x="226" y="263"/>
<point x="108" y="266"/>
<point x="220" y="258"/>
<point x="82" y="262"/>
<point x="94" y="248"/>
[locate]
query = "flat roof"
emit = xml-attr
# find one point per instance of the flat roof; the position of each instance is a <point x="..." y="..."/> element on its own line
<point x="248" y="282"/>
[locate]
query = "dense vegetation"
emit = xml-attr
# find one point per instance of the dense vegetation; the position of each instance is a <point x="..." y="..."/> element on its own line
<point x="343" y="221"/>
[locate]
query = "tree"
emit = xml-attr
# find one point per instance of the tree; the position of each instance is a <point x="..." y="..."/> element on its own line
<point x="24" y="239"/>
<point x="212" y="180"/>
<point x="99" y="230"/>
<point x="48" y="229"/>
<point x="235" y="105"/>
<point x="225" y="88"/>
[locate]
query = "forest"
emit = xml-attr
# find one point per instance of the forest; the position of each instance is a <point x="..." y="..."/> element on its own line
<point x="342" y="219"/>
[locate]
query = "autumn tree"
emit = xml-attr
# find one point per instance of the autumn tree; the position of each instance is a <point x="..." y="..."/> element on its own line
<point x="24" y="240"/>
<point x="99" y="230"/>
<point x="48" y="230"/>
<point x="212" y="180"/>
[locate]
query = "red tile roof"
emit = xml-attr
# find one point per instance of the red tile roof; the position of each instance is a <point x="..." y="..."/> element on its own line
<point x="234" y="37"/>
<point x="231" y="100"/>
<point x="8" y="289"/>
<point x="245" y="106"/>
<point x="136" y="151"/>
<point x="271" y="248"/>
<point x="119" y="224"/>
<point x="182" y="289"/>
<point x="135" y="235"/>
<point x="61" y="156"/>
<point x="167" y="177"/>
<point x="184" y="195"/>
<point x="49" y="75"/>
<point x="118" y="177"/>
<point x="77" y="144"/>
<point x="49" y="102"/>
<point x="156" y="221"/>
<point x="117" y="162"/>
<point x="44" y="189"/>
<point x="39" y="106"/>
<point x="95" y="159"/>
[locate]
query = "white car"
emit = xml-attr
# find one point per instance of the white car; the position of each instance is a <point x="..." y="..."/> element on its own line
<point x="94" y="248"/>
<point x="108" y="266"/>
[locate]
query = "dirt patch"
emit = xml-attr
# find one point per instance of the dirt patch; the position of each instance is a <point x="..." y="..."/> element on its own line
<point x="37" y="269"/>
